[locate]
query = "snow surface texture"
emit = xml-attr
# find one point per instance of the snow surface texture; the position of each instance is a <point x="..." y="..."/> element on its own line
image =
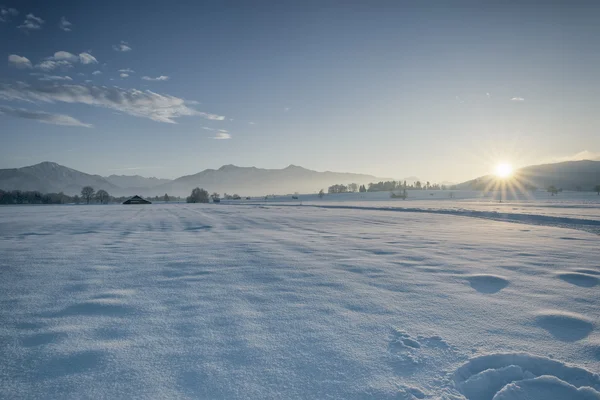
<point x="272" y="302"/>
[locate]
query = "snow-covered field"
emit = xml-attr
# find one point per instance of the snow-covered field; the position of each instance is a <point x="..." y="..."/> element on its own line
<point x="334" y="299"/>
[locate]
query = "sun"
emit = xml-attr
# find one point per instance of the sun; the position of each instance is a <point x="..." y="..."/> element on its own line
<point x="503" y="170"/>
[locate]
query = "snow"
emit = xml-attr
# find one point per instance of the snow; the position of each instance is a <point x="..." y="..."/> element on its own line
<point x="343" y="299"/>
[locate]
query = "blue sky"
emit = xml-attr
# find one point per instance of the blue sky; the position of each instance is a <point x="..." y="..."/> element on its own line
<point x="395" y="89"/>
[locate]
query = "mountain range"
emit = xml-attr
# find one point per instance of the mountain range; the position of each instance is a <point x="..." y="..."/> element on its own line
<point x="568" y="175"/>
<point x="50" y="177"/>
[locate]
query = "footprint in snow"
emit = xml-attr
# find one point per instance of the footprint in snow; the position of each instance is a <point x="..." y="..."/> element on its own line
<point x="565" y="326"/>
<point x="579" y="279"/>
<point x="523" y="376"/>
<point x="488" y="284"/>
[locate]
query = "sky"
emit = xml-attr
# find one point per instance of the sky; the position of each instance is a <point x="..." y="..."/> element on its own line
<point x="439" y="90"/>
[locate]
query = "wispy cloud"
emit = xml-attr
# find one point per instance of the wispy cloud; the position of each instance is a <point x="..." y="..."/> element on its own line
<point x="7" y="13"/>
<point x="64" y="24"/>
<point x="64" y="56"/>
<point x="127" y="71"/>
<point x="19" y="61"/>
<point x="86" y="58"/>
<point x="582" y="155"/>
<point x="158" y="78"/>
<point x="124" y="75"/>
<point x="517" y="99"/>
<point x="31" y="23"/>
<point x="46" y="77"/>
<point x="122" y="47"/>
<point x="64" y="59"/>
<point x="96" y="72"/>
<point x="49" y="65"/>
<point x="41" y="116"/>
<point x="222" y="134"/>
<point x="144" y="104"/>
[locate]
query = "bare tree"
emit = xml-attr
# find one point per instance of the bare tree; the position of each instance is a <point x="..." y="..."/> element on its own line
<point x="102" y="196"/>
<point x="87" y="193"/>
<point x="198" y="196"/>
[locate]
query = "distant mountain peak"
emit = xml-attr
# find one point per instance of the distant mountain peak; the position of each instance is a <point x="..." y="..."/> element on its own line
<point x="227" y="167"/>
<point x="292" y="166"/>
<point x="50" y="164"/>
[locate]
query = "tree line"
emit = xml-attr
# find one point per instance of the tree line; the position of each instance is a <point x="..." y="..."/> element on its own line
<point x="387" y="186"/>
<point x="200" y="195"/>
<point x="88" y="196"/>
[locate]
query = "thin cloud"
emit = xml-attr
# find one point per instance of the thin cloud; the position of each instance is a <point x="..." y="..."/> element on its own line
<point x="122" y="47"/>
<point x="222" y="134"/>
<point x="127" y="71"/>
<point x="31" y="23"/>
<point x="86" y="58"/>
<point x="64" y="56"/>
<point x="6" y="13"/>
<point x="143" y="104"/>
<point x="44" y="117"/>
<point x="64" y="59"/>
<point x="64" y="24"/>
<point x="55" y="78"/>
<point x="96" y="72"/>
<point x="19" y="61"/>
<point x="158" y="78"/>
<point x="517" y="99"/>
<point x="49" y="65"/>
<point x="46" y="77"/>
<point x="124" y="75"/>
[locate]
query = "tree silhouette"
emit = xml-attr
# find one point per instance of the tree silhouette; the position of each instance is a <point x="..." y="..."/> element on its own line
<point x="102" y="196"/>
<point x="87" y="193"/>
<point x="198" y="196"/>
<point x="597" y="189"/>
<point x="552" y="190"/>
<point x="321" y="193"/>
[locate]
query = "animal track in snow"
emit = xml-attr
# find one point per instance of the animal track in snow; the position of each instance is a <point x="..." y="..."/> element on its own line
<point x="524" y="377"/>
<point x="410" y="352"/>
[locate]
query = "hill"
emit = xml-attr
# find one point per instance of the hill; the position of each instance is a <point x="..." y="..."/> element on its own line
<point x="254" y="181"/>
<point x="568" y="175"/>
<point x="135" y="181"/>
<point x="48" y="177"/>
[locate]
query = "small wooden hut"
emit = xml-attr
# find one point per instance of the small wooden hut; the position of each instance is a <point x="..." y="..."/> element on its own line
<point x="136" y="200"/>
